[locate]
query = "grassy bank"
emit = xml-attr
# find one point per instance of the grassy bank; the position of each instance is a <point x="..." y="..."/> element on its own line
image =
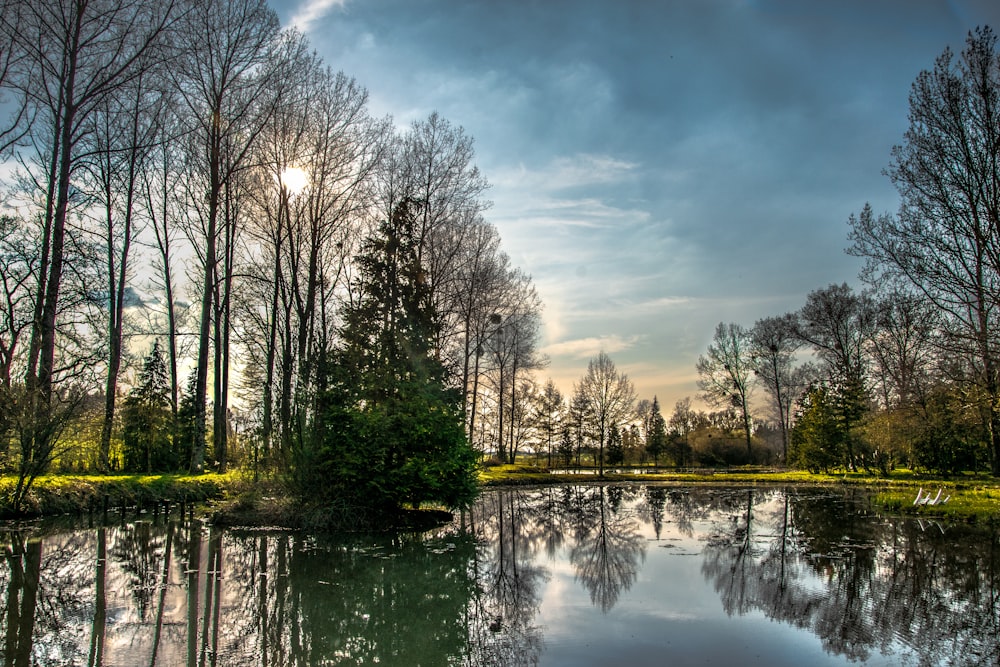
<point x="973" y="498"/>
<point x="71" y="494"/>
<point x="238" y="501"/>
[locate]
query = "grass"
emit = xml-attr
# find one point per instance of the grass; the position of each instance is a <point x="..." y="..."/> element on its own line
<point x="76" y="494"/>
<point x="973" y="498"/>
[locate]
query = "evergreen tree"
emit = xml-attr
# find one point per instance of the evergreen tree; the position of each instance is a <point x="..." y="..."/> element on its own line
<point x="147" y="442"/>
<point x="392" y="432"/>
<point x="818" y="439"/>
<point x="656" y="441"/>
<point x="186" y="431"/>
<point x="616" y="449"/>
<point x="565" y="448"/>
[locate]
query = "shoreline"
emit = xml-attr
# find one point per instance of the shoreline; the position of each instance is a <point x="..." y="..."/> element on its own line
<point x="234" y="499"/>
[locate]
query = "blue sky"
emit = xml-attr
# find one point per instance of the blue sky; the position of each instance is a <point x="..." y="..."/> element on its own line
<point x="657" y="166"/>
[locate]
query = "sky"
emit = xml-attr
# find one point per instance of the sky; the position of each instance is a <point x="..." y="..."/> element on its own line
<point x="657" y="167"/>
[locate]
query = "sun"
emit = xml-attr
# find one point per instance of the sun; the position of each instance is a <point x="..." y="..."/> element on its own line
<point x="294" y="179"/>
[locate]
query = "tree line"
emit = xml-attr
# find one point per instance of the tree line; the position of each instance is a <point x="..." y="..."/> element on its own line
<point x="195" y="208"/>
<point x="904" y="371"/>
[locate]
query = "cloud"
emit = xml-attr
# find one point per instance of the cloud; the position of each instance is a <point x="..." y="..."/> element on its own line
<point x="583" y="348"/>
<point x="311" y="10"/>
<point x="572" y="171"/>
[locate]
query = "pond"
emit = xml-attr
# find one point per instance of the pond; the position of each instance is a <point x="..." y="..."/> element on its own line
<point x="573" y="575"/>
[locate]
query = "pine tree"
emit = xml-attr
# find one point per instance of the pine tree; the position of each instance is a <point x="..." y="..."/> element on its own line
<point x="656" y="441"/>
<point x="392" y="431"/>
<point x="616" y="449"/>
<point x="186" y="431"/>
<point x="147" y="441"/>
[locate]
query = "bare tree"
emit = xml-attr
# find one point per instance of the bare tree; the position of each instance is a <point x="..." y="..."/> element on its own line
<point x="774" y="344"/>
<point x="610" y="396"/>
<point x="18" y="122"/>
<point x="512" y="353"/>
<point x="229" y="78"/>
<point x="310" y="192"/>
<point x="839" y="325"/>
<point x="68" y="59"/>
<point x="122" y="135"/>
<point x="905" y="348"/>
<point x="726" y="374"/>
<point x="18" y="274"/>
<point x="160" y="185"/>
<point x="551" y="411"/>
<point x="944" y="240"/>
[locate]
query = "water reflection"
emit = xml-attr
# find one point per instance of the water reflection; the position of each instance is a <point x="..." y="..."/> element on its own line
<point x="498" y="587"/>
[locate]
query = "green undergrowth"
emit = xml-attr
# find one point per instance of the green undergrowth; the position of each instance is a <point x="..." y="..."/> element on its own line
<point x="71" y="494"/>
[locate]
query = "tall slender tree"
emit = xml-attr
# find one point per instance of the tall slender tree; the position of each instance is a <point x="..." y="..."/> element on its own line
<point x="774" y="344"/>
<point x="68" y="59"/>
<point x="725" y="374"/>
<point x="229" y="77"/>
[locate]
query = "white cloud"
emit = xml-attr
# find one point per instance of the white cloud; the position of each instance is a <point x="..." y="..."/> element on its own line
<point x="583" y="348"/>
<point x="580" y="170"/>
<point x="312" y="10"/>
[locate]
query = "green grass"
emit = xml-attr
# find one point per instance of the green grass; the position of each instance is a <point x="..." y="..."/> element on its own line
<point x="69" y="494"/>
<point x="973" y="498"/>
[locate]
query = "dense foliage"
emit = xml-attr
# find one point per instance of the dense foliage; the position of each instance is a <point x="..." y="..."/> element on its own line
<point x="389" y="429"/>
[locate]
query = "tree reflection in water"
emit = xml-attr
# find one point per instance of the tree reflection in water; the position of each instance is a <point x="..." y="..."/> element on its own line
<point x="181" y="592"/>
<point x="884" y="580"/>
<point x="607" y="545"/>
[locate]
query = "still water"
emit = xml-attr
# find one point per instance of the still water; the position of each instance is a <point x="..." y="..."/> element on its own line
<point x="574" y="575"/>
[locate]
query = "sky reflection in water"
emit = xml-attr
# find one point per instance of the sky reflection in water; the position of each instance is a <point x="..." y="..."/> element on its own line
<point x="586" y="575"/>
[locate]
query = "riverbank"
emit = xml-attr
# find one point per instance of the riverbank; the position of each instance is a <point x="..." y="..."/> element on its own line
<point x="231" y="499"/>
<point x="235" y="499"/>
<point x="53" y="495"/>
<point x="973" y="498"/>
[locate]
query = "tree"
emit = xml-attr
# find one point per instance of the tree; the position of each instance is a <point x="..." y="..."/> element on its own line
<point x="69" y="59"/>
<point x="123" y="131"/>
<point x="656" y="438"/>
<point x="18" y="271"/>
<point x="944" y="240"/>
<point x="392" y="430"/>
<point x="818" y="437"/>
<point x="550" y="415"/>
<point x="610" y="397"/>
<point x="683" y="423"/>
<point x="725" y="374"/>
<point x="839" y="324"/>
<point x="581" y="420"/>
<point x="228" y="77"/>
<point x="566" y="446"/>
<point x="147" y="423"/>
<point x="616" y="448"/>
<point x="774" y="343"/>
<point x="512" y="353"/>
<point x="904" y="348"/>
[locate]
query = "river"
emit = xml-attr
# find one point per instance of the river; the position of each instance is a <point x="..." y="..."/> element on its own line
<point x="560" y="576"/>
